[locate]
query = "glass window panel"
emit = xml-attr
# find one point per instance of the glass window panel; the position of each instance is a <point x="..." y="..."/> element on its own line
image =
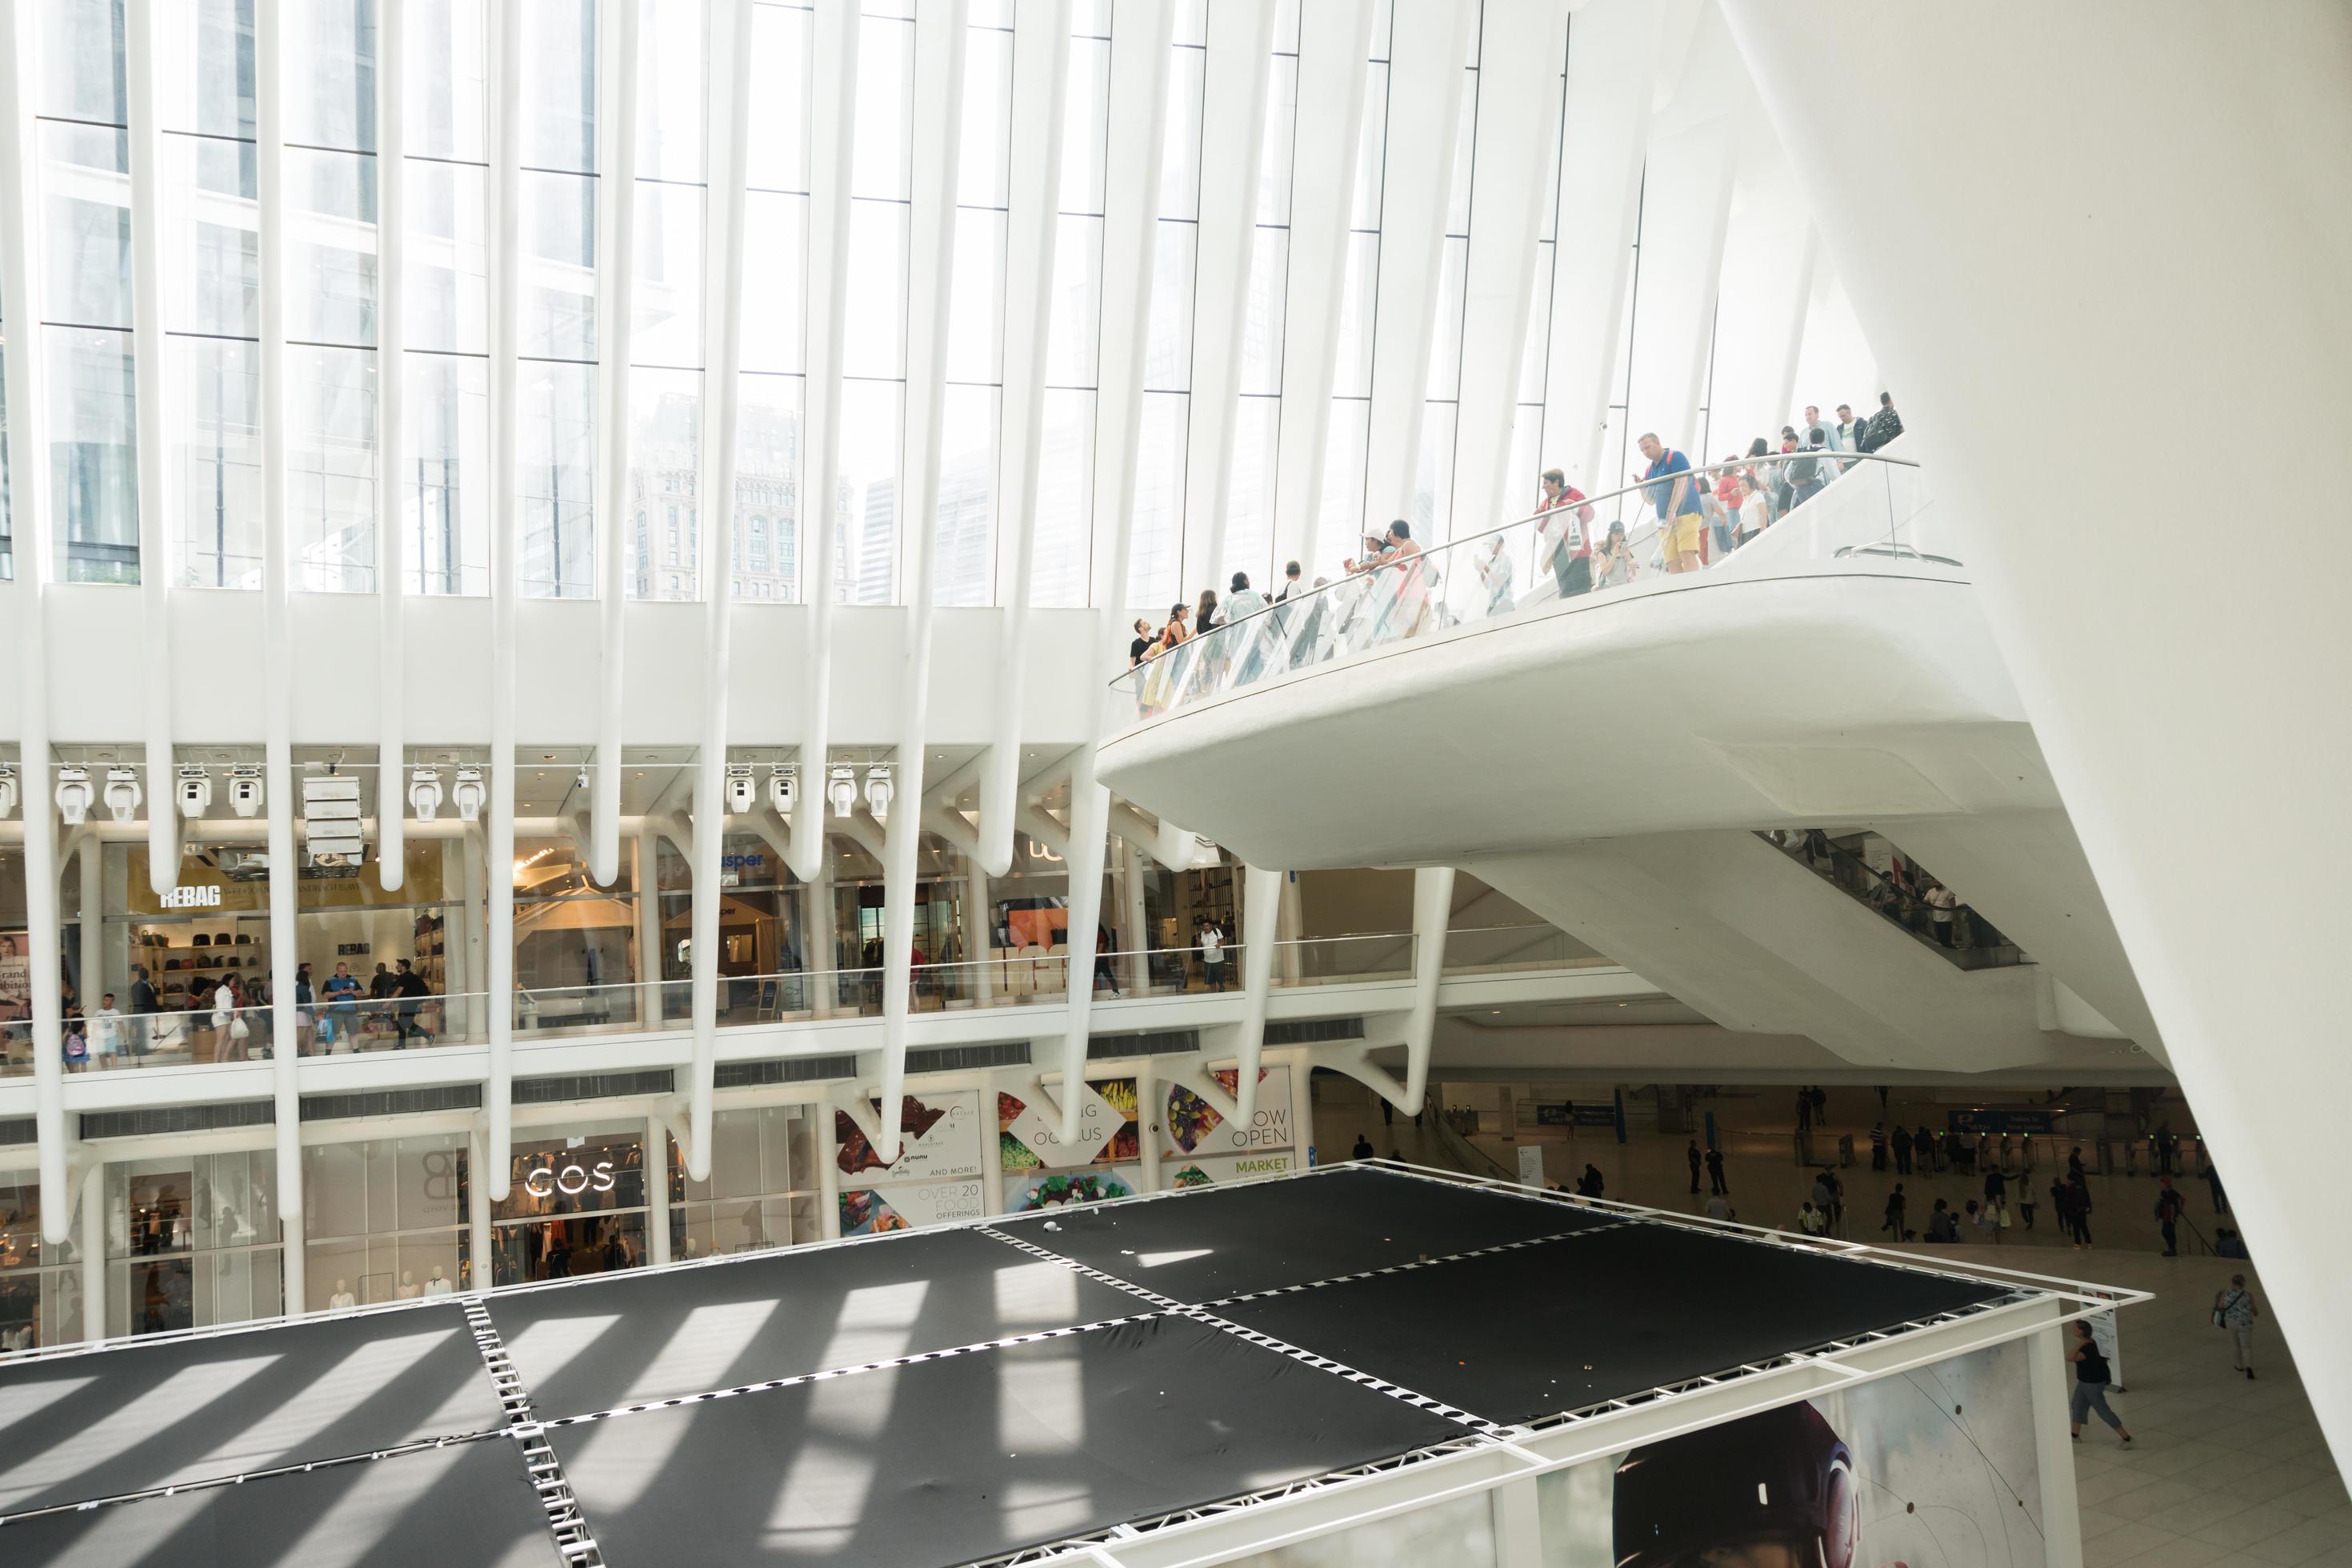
<point x="1371" y="149"/>
<point x="767" y="469"/>
<point x="1527" y="463"/>
<point x="1192" y="22"/>
<point x="331" y="249"/>
<point x="997" y="13"/>
<point x="985" y="147"/>
<point x="1433" y="486"/>
<point x="1090" y="18"/>
<point x="1274" y="152"/>
<point x="82" y="59"/>
<point x="777" y="156"/>
<point x="874" y="341"/>
<point x="86" y="172"/>
<point x="1446" y="344"/>
<point x="1532" y="355"/>
<point x="1359" y="295"/>
<point x="214" y="283"/>
<point x="1087" y="108"/>
<point x="1457" y="207"/>
<point x="1340" y="515"/>
<point x="1249" y="512"/>
<point x="209" y="86"/>
<point x="963" y="564"/>
<point x="446" y="78"/>
<point x="1066" y="479"/>
<point x="1262" y="312"/>
<point x="886" y="85"/>
<point x="328" y="60"/>
<point x="668" y="326"/>
<point x="93" y="456"/>
<point x="1286" y="26"/>
<point x="1168" y="352"/>
<point x="448" y="302"/>
<point x="1180" y="168"/>
<point x="976" y="303"/>
<point x="215" y="413"/>
<point x="664" y="457"/>
<point x="557" y="225"/>
<point x="1384" y="28"/>
<point x="865" y="537"/>
<point x="444" y="540"/>
<point x="1154" y="579"/>
<point x="1075" y="326"/>
<point x="556" y="452"/>
<point x="670" y="104"/>
<point x="892" y="8"/>
<point x="331" y="468"/>
<point x="558" y="85"/>
<point x="775" y="242"/>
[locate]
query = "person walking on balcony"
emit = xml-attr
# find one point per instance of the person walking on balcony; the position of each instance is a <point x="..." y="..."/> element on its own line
<point x="1204" y="617"/>
<point x="1845" y="436"/>
<point x="1613" y="564"/>
<point x="1883" y="426"/>
<point x="1808" y="471"/>
<point x="1213" y="956"/>
<point x="1714" y="1170"/>
<point x="1563" y="542"/>
<point x="2236" y="1309"/>
<point x="1142" y="646"/>
<point x="408" y="990"/>
<point x="1667" y="482"/>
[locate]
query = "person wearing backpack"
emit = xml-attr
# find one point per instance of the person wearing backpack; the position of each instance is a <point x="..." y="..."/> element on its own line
<point x="2091" y="1376"/>
<point x="1883" y="426"/>
<point x="2236" y="1310"/>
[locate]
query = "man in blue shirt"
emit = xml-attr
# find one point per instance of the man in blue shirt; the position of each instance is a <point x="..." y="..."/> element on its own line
<point x="1677" y="503"/>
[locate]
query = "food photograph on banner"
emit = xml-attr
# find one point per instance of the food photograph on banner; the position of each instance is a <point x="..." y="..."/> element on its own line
<point x="1042" y="1172"/>
<point x="1201" y="1148"/>
<point x="1931" y="1468"/>
<point x="936" y="1177"/>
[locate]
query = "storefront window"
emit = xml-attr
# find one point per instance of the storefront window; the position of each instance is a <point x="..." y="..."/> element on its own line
<point x="386" y="1219"/>
<point x="40" y="1282"/>
<point x="575" y="943"/>
<point x="576" y="1205"/>
<point x="16" y="968"/>
<point x="192" y="1241"/>
<point x="763" y="1188"/>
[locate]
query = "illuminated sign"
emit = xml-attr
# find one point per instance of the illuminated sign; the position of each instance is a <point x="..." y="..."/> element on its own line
<point x="193" y="897"/>
<point x="569" y="1180"/>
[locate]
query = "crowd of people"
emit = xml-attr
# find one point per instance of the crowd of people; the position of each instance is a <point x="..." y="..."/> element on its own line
<point x="236" y="1022"/>
<point x="1699" y="520"/>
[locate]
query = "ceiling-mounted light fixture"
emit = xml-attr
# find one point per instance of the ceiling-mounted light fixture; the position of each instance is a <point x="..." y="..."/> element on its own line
<point x="194" y="791"/>
<point x="877" y="791"/>
<point x="7" y="788"/>
<point x="124" y="794"/>
<point x="841" y="788"/>
<point x="742" y="792"/>
<point x="469" y="793"/>
<point x="424" y="793"/>
<point x="74" y="795"/>
<point x="245" y="791"/>
<point x="783" y="787"/>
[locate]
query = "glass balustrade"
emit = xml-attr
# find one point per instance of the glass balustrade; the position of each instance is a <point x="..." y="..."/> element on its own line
<point x="1838" y="507"/>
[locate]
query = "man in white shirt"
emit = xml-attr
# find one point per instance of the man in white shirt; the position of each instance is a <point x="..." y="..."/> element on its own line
<point x="106" y="1031"/>
<point x="1213" y="956"/>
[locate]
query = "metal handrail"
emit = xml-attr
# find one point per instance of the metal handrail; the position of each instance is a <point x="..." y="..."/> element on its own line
<point x="1535" y="516"/>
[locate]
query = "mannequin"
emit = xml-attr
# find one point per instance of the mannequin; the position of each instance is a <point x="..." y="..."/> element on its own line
<point x="342" y="1300"/>
<point x="408" y="1291"/>
<point x="437" y="1285"/>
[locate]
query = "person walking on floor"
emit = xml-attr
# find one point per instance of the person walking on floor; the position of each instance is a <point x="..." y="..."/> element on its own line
<point x="1804" y="1112"/>
<point x="2212" y="1176"/>
<point x="2091" y="1375"/>
<point x="2170" y="1207"/>
<point x="1693" y="1152"/>
<point x="1901" y="1143"/>
<point x="1714" y="1170"/>
<point x="2236" y="1309"/>
<point x="1893" y="1224"/>
<point x="2077" y="1211"/>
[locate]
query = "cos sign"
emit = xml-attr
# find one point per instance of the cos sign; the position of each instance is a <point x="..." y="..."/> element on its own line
<point x="569" y="1180"/>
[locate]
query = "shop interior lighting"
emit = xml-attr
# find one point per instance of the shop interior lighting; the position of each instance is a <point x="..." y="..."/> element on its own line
<point x="783" y="787"/>
<point x="194" y="791"/>
<point x="742" y="790"/>
<point x="74" y="795"/>
<point x="7" y="788"/>
<point x="469" y="793"/>
<point x="424" y="793"/>
<point x="244" y="794"/>
<point x="841" y="788"/>
<point x="877" y="791"/>
<point x="124" y="794"/>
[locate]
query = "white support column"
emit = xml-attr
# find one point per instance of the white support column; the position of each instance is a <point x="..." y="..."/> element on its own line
<point x="1261" y="911"/>
<point x="828" y="1170"/>
<point x="1433" y="909"/>
<point x="832" y="119"/>
<point x="1429" y="54"/>
<point x="649" y="955"/>
<point x="2050" y="1380"/>
<point x="93" y="1253"/>
<point x="618" y="78"/>
<point x="1519" y="109"/>
<point x="1519" y="1525"/>
<point x="1604" y="138"/>
<point x="503" y="226"/>
<point x="1331" y="72"/>
<point x="28" y="469"/>
<point x="277" y="624"/>
<point x="89" y="867"/>
<point x="941" y="34"/>
<point x="1150" y="1114"/>
<point x="478" y="1211"/>
<point x="391" y="440"/>
<point x="1233" y="144"/>
<point x="823" y="956"/>
<point x="1041" y="57"/>
<point x="656" y="1169"/>
<point x="1766" y="285"/>
<point x="146" y="154"/>
<point x="1291" y="929"/>
<point x="1089" y="803"/>
<point x="1302" y="1105"/>
<point x="729" y="58"/>
<point x="1134" y="925"/>
<point x="980" y="931"/>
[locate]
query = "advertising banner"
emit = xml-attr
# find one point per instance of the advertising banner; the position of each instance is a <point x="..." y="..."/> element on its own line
<point x="938" y="1139"/>
<point x="1057" y="1189"/>
<point x="1932" y="1469"/>
<point x="1193" y="1130"/>
<point x="1107" y="1135"/>
<point x="908" y="1205"/>
<point x="15" y="974"/>
<point x="1208" y="1170"/>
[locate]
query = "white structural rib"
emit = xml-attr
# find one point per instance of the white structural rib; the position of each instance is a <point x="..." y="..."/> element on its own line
<point x="504" y="262"/>
<point x="832" y="119"/>
<point x="1518" y="111"/>
<point x="618" y="78"/>
<point x="1766" y="287"/>
<point x="1232" y="142"/>
<point x="939" y="45"/>
<point x="1041" y="57"/>
<point x="391" y="438"/>
<point x="1604" y="135"/>
<point x="729" y="58"/>
<point x="1429" y="54"/>
<point x="29" y="478"/>
<point x="146" y="152"/>
<point x="1332" y="57"/>
<point x="1433" y="915"/>
<point x="277" y="629"/>
<point x="1260" y="908"/>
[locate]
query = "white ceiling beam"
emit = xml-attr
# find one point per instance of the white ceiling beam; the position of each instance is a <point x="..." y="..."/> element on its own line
<point x="145" y="141"/>
<point x="619" y="90"/>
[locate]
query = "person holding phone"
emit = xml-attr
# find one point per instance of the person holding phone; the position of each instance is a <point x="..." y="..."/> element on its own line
<point x="1667" y="482"/>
